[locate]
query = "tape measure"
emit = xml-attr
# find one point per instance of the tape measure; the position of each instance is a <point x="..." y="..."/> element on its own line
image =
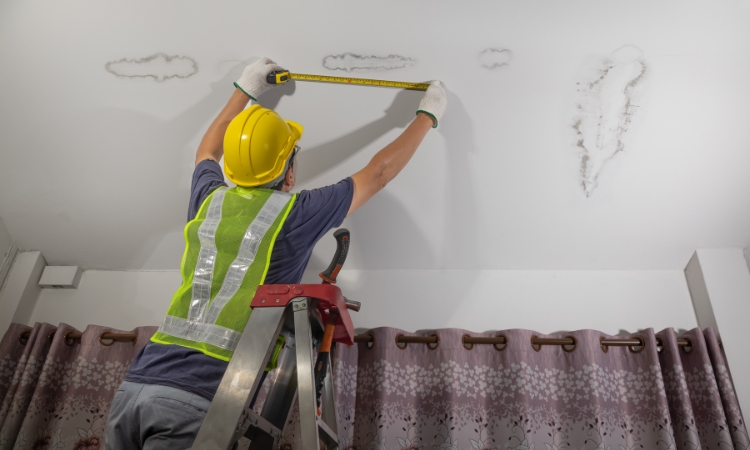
<point x="282" y="76"/>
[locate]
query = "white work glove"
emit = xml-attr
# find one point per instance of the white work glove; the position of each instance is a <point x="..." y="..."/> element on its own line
<point x="434" y="101"/>
<point x="253" y="80"/>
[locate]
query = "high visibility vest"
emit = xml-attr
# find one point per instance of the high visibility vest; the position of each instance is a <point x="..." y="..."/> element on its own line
<point x="227" y="253"/>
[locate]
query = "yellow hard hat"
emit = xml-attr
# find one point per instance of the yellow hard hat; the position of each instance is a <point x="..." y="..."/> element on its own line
<point x="257" y="144"/>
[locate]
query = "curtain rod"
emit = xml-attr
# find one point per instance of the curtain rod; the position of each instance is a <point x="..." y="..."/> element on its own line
<point x="75" y="336"/>
<point x="466" y="340"/>
<point x="469" y="341"/>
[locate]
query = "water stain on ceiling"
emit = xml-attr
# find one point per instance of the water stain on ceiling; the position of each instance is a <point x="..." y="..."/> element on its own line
<point x="606" y="102"/>
<point x="493" y="58"/>
<point x="158" y="67"/>
<point x="352" y="62"/>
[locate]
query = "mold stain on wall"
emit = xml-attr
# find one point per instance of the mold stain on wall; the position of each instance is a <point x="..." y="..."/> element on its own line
<point x="159" y="67"/>
<point x="350" y="62"/>
<point x="607" y="100"/>
<point x="493" y="58"/>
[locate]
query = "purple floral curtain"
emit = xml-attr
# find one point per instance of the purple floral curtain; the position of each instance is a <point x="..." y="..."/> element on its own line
<point x="55" y="393"/>
<point x="515" y="397"/>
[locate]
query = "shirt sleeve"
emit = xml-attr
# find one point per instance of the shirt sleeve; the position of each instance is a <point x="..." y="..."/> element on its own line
<point x="318" y="210"/>
<point x="207" y="176"/>
<point x="314" y="213"/>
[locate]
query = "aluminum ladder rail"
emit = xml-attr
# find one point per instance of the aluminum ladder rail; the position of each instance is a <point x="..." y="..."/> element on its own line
<point x="298" y="312"/>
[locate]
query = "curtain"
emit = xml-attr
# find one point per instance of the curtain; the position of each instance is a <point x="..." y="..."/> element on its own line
<point x="515" y="397"/>
<point x="56" y="393"/>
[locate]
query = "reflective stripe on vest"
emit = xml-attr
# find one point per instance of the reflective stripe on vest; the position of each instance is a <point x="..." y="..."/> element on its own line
<point x="195" y="325"/>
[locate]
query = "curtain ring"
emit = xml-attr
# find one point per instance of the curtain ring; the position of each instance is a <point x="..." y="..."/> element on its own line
<point x="370" y="344"/>
<point x="505" y="345"/>
<point x="21" y="340"/>
<point x="398" y="344"/>
<point x="437" y="344"/>
<point x="463" y="342"/>
<point x="66" y="339"/>
<point x="605" y="348"/>
<point x="690" y="346"/>
<point x="51" y="335"/>
<point x="643" y="346"/>
<point x="537" y="345"/>
<point x="101" y="336"/>
<point x="659" y="345"/>
<point x="575" y="345"/>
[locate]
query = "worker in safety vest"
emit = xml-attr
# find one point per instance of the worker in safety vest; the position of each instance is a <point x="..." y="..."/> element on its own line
<point x="237" y="239"/>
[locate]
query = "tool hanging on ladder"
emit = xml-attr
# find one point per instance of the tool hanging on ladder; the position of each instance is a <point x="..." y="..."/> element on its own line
<point x="329" y="277"/>
<point x="283" y="76"/>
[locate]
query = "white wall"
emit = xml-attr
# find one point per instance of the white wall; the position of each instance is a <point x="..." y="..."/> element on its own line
<point x="118" y="299"/>
<point x="545" y="301"/>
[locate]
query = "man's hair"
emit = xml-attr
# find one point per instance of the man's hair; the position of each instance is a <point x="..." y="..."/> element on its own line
<point x="278" y="186"/>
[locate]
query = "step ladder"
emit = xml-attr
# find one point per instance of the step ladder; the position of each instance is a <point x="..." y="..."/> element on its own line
<point x="299" y="312"/>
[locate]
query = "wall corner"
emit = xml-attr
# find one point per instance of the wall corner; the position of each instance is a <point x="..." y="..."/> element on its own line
<point x="18" y="299"/>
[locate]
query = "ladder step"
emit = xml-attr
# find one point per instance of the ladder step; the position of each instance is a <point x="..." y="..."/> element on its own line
<point x="328" y="435"/>
<point x="258" y="423"/>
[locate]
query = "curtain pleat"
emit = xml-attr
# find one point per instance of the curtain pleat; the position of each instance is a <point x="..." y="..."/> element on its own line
<point x="60" y="392"/>
<point x="24" y="380"/>
<point x="731" y="406"/>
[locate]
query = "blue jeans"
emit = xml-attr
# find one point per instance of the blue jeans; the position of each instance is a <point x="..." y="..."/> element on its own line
<point x="151" y="417"/>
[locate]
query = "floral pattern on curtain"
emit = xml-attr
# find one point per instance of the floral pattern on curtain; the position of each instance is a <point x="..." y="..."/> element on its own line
<point x="517" y="398"/>
<point x="55" y="393"/>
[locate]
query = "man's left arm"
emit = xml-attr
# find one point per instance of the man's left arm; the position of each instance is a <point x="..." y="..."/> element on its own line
<point x="251" y="84"/>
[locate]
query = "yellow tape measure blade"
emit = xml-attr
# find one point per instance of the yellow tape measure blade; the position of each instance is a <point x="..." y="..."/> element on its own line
<point x="359" y="81"/>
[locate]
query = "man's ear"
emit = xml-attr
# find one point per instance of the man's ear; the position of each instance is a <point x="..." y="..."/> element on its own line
<point x="289" y="177"/>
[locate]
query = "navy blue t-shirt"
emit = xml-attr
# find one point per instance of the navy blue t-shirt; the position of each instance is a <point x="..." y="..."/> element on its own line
<point x="313" y="214"/>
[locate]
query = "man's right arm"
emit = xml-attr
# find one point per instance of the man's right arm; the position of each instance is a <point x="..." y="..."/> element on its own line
<point x="389" y="161"/>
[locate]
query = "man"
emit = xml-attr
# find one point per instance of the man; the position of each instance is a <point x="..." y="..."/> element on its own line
<point x="236" y="239"/>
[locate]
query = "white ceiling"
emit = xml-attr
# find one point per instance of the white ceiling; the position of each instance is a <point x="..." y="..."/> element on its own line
<point x="95" y="168"/>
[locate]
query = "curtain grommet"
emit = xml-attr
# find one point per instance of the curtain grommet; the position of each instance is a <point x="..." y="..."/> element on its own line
<point x="398" y="344"/>
<point x="643" y="346"/>
<point x="534" y="346"/>
<point x="574" y="344"/>
<point x="659" y="345"/>
<point x="505" y="345"/>
<point x="605" y="348"/>
<point x="371" y="344"/>
<point x="688" y="349"/>
<point x="23" y="340"/>
<point x="51" y="335"/>
<point x="463" y="342"/>
<point x="66" y="339"/>
<point x="437" y="344"/>
<point x="101" y="340"/>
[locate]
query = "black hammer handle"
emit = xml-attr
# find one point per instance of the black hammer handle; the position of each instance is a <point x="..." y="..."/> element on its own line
<point x="342" y="248"/>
